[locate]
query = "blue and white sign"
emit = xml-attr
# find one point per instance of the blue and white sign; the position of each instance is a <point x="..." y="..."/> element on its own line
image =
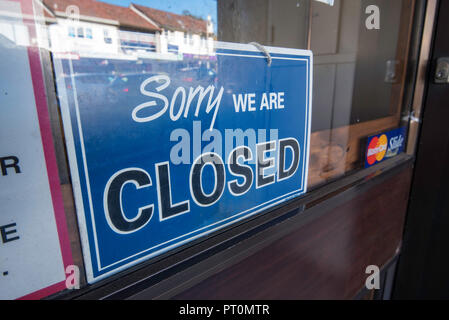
<point x="163" y="152"/>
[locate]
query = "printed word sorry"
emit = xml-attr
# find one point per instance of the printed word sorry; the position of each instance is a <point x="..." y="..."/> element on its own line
<point x="177" y="109"/>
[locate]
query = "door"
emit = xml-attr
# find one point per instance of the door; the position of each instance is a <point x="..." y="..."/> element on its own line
<point x="423" y="265"/>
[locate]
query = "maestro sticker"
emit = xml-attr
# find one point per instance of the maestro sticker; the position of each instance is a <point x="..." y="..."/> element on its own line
<point x="384" y="146"/>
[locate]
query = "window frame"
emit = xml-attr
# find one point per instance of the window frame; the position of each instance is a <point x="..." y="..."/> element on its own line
<point x="187" y="255"/>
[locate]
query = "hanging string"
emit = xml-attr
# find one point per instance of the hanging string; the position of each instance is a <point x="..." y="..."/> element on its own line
<point x="263" y="50"/>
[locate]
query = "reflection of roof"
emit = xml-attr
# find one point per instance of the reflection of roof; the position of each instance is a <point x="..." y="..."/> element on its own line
<point x="174" y="21"/>
<point x="128" y="18"/>
<point x="48" y="15"/>
<point x="91" y="8"/>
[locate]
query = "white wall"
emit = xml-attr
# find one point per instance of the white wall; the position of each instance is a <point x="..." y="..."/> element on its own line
<point x="16" y="32"/>
<point x="193" y="45"/>
<point x="61" y="42"/>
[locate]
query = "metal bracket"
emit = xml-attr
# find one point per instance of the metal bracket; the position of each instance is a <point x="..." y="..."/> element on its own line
<point x="411" y="117"/>
<point x="442" y="70"/>
<point x="391" y="73"/>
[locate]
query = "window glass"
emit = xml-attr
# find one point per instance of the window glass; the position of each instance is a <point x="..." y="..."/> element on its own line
<point x="71" y="32"/>
<point x="80" y="32"/>
<point x="107" y="38"/>
<point x="88" y="33"/>
<point x="360" y="52"/>
<point x="178" y="62"/>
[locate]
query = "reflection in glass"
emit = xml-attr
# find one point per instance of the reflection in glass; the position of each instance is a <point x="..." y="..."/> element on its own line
<point x="359" y="73"/>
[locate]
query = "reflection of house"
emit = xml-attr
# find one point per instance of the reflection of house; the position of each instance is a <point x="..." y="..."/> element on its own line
<point x="180" y="32"/>
<point x="92" y="27"/>
<point x="95" y="28"/>
<point x="12" y="30"/>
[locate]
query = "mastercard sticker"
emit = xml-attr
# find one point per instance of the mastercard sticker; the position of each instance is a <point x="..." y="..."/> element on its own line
<point x="385" y="145"/>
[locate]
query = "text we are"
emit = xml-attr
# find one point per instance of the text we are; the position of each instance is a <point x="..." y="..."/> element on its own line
<point x="267" y="101"/>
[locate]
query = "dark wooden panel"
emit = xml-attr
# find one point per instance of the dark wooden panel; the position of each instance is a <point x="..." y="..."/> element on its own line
<point x="324" y="259"/>
<point x="424" y="262"/>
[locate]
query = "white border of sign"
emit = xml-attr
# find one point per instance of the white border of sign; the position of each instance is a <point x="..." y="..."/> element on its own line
<point x="76" y="179"/>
